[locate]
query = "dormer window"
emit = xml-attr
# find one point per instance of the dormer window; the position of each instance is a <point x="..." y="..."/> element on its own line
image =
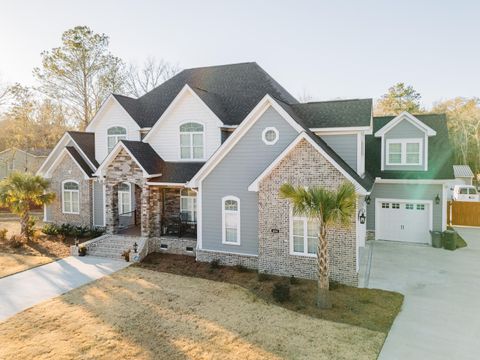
<point x="114" y="135"/>
<point x="192" y="141"/>
<point x="404" y="152"/>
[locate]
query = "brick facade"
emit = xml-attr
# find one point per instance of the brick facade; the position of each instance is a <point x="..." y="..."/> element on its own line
<point x="306" y="167"/>
<point x="67" y="169"/>
<point x="228" y="259"/>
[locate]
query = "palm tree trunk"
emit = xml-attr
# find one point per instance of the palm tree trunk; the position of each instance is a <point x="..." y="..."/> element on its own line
<point x="24" y="224"/>
<point x="323" y="299"/>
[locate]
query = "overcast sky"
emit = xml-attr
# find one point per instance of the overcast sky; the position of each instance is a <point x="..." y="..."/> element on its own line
<point x="329" y="49"/>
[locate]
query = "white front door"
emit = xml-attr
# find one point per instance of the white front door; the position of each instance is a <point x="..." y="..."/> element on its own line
<point x="403" y="220"/>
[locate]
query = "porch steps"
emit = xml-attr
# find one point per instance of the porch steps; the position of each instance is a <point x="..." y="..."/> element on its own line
<point x="113" y="246"/>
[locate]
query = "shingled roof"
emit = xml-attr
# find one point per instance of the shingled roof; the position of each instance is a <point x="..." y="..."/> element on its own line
<point x="231" y="92"/>
<point x="177" y="172"/>
<point x="440" y="155"/>
<point x="86" y="142"/>
<point x="147" y="158"/>
<point x="80" y="160"/>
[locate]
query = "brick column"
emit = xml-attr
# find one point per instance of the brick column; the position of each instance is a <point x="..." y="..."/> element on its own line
<point x="145" y="222"/>
<point x="111" y="208"/>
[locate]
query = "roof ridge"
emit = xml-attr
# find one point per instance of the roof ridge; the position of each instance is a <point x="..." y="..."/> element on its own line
<point x="222" y="65"/>
<point x="327" y="101"/>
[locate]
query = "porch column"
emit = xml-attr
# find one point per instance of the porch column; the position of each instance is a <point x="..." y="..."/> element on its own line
<point x="111" y="208"/>
<point x="145" y="223"/>
<point x="151" y="211"/>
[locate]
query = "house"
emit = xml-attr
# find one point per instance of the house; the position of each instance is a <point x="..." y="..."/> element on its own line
<point x="14" y="159"/>
<point x="211" y="146"/>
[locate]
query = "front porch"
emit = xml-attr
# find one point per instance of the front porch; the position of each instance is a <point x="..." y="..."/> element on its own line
<point x="151" y="211"/>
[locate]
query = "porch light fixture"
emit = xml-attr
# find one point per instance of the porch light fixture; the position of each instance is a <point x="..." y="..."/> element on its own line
<point x="368" y="199"/>
<point x="76" y="242"/>
<point x="361" y="216"/>
<point x="135" y="247"/>
<point x="437" y="199"/>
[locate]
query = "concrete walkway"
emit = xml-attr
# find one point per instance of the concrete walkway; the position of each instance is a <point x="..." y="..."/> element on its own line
<point x="23" y="290"/>
<point x="440" y="318"/>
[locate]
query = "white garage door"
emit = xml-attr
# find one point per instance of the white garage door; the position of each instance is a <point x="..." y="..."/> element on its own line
<point x="403" y="220"/>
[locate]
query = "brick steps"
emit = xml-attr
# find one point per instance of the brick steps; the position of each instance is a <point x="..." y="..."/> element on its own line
<point x="112" y="246"/>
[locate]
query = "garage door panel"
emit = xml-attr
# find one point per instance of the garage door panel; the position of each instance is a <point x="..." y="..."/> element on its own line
<point x="403" y="220"/>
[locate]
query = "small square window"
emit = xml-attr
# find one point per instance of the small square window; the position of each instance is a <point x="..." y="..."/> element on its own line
<point x="409" y="206"/>
<point x="385" y="205"/>
<point x="163" y="246"/>
<point x="395" y="206"/>
<point x="420" y="207"/>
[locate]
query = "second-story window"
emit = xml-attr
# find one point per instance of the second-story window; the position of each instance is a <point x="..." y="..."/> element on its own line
<point x="191" y="141"/>
<point x="114" y="135"/>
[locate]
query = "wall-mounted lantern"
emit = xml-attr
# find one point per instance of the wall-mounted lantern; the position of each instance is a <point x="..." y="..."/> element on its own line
<point x="361" y="216"/>
<point x="437" y="199"/>
<point x="368" y="199"/>
<point x="135" y="247"/>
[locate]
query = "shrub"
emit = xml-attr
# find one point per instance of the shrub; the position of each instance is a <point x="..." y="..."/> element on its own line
<point x="17" y="241"/>
<point x="51" y="229"/>
<point x="126" y="255"/>
<point x="66" y="229"/>
<point x="261" y="276"/>
<point x="3" y="234"/>
<point x="281" y="292"/>
<point x="215" y="264"/>
<point x="96" y="232"/>
<point x="294" y="280"/>
<point x="82" y="251"/>
<point x="241" y="268"/>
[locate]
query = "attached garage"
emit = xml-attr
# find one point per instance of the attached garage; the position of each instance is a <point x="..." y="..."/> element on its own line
<point x="404" y="220"/>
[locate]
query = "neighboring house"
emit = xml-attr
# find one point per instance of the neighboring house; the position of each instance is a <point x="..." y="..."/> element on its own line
<point x="14" y="159"/>
<point x="212" y="146"/>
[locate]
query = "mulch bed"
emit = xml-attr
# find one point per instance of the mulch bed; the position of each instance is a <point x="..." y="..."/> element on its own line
<point x="368" y="308"/>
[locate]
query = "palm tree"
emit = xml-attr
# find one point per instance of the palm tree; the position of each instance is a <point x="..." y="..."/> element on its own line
<point x="19" y="192"/>
<point x="328" y="208"/>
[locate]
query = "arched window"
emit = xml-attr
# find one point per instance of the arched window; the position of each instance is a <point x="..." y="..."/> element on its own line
<point x="231" y="220"/>
<point x="188" y="204"/>
<point x="114" y="135"/>
<point x="70" y="197"/>
<point x="191" y="141"/>
<point x="124" y="199"/>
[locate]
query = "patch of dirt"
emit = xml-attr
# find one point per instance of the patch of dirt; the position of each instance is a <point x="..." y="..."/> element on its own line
<point x="141" y="314"/>
<point x="41" y="244"/>
<point x="13" y="263"/>
<point x="372" y="309"/>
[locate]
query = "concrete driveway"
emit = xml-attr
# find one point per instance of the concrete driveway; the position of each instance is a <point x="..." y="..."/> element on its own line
<point x="440" y="318"/>
<point x="25" y="289"/>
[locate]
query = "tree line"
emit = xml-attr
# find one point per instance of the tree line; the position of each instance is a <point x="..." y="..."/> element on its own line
<point x="73" y="81"/>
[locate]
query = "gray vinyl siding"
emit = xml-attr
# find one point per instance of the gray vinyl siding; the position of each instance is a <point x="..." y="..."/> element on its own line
<point x="404" y="130"/>
<point x="406" y="191"/>
<point x="98" y="208"/>
<point x="232" y="176"/>
<point x="48" y="212"/>
<point x="345" y="146"/>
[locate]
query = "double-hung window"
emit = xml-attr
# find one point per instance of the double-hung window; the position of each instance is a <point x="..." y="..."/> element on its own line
<point x="304" y="236"/>
<point x="192" y="141"/>
<point x="231" y="220"/>
<point x="124" y="199"/>
<point x="70" y="197"/>
<point x="404" y="152"/>
<point x="114" y="135"/>
<point x="188" y="204"/>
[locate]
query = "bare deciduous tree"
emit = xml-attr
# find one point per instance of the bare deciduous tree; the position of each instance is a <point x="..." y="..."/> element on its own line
<point x="152" y="73"/>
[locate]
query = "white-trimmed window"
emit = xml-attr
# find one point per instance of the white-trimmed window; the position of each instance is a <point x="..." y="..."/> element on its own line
<point x="114" y="135"/>
<point x="70" y="197"/>
<point x="231" y="220"/>
<point x="404" y="152"/>
<point x="125" y="199"/>
<point x="192" y="141"/>
<point x="303" y="236"/>
<point x="188" y="204"/>
<point x="270" y="135"/>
